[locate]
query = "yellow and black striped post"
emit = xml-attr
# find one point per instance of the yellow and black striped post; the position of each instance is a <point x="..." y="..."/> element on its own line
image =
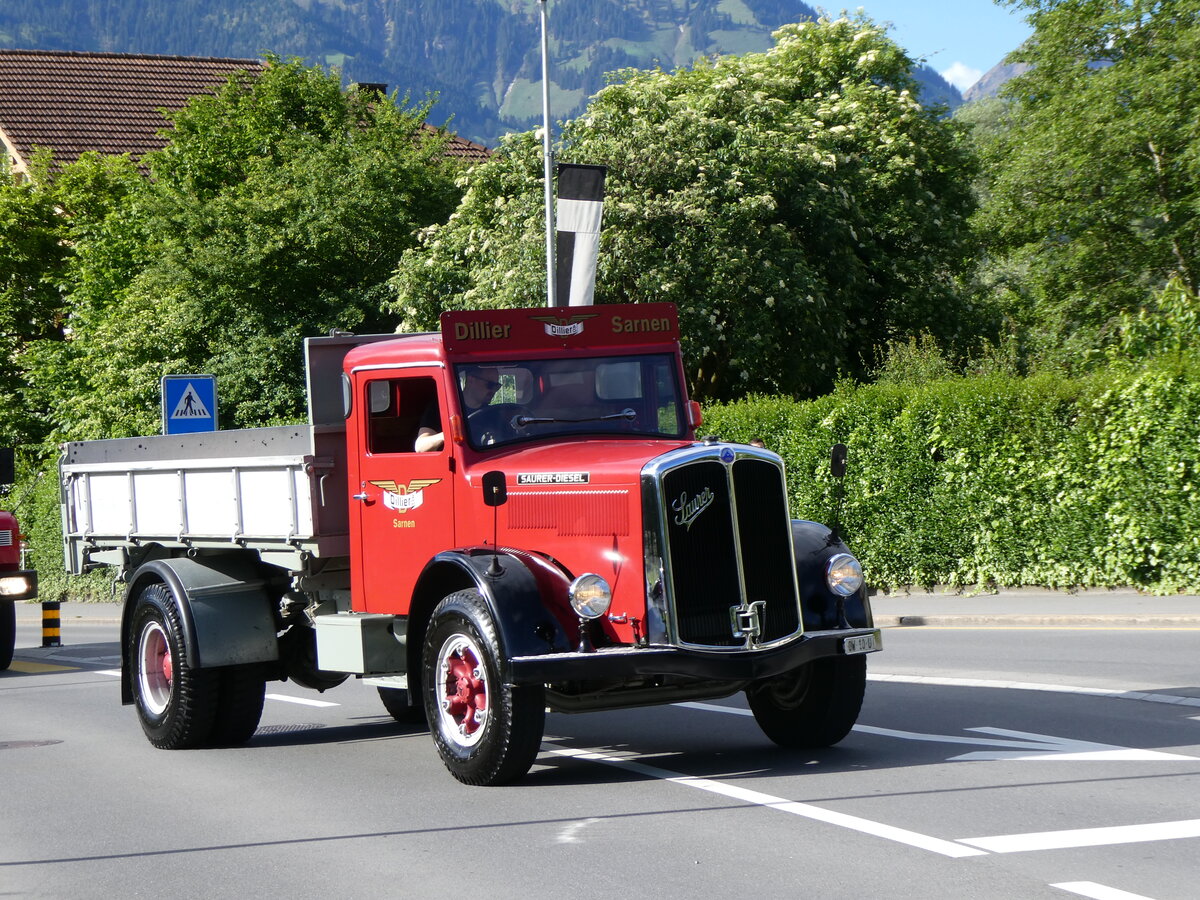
<point x="51" y="624"/>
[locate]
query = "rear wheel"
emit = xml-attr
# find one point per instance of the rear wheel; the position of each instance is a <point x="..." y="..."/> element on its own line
<point x="815" y="705"/>
<point x="487" y="732"/>
<point x="177" y="704"/>
<point x="8" y="632"/>
<point x="240" y="698"/>
<point x="395" y="701"/>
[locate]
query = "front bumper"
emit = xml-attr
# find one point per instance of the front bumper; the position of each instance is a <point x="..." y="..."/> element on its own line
<point x="20" y="585"/>
<point x="626" y="663"/>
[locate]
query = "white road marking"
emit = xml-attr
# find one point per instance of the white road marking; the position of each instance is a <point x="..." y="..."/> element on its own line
<point x="1097" y="891"/>
<point x="1029" y="746"/>
<point x="303" y="701"/>
<point x="1026" y="745"/>
<point x="284" y="698"/>
<point x="716" y="707"/>
<point x="1171" y="699"/>
<point x="805" y="810"/>
<point x="1087" y="837"/>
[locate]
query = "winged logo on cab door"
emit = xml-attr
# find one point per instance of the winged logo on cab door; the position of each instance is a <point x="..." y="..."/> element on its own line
<point x="403" y="497"/>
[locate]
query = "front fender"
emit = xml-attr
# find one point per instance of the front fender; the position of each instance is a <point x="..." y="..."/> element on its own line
<point x="813" y="545"/>
<point x="516" y="599"/>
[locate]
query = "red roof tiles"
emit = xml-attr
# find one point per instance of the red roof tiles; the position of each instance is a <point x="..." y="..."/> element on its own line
<point x="461" y="148"/>
<point x="73" y="102"/>
<point x="109" y="102"/>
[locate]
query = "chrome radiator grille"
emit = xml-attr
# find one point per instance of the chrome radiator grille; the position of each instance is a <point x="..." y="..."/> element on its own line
<point x="725" y="546"/>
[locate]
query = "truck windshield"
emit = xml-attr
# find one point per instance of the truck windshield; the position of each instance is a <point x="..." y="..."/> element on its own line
<point x="528" y="400"/>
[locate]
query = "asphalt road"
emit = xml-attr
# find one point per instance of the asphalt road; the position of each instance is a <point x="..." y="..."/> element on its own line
<point x="1002" y="762"/>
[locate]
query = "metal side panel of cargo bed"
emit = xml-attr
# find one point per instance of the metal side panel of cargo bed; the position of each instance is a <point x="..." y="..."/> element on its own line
<point x="278" y="490"/>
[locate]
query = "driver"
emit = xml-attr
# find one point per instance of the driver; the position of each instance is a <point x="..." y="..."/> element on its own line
<point x="478" y="390"/>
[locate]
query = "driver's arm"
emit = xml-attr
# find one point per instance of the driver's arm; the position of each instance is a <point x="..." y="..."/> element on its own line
<point x="428" y="439"/>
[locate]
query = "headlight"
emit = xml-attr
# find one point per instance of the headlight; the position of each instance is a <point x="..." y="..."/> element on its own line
<point x="20" y="585"/>
<point x="590" y="596"/>
<point x="844" y="574"/>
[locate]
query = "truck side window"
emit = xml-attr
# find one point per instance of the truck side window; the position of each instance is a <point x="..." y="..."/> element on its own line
<point x="394" y="410"/>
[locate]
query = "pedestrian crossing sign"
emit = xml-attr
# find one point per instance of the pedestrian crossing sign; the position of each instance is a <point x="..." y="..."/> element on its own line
<point x="189" y="403"/>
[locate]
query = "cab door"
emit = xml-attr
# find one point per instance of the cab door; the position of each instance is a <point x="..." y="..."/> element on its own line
<point x="402" y="502"/>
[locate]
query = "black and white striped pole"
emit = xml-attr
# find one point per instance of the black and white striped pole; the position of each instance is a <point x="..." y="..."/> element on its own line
<point x="580" y="209"/>
<point x="548" y="160"/>
<point x="573" y="242"/>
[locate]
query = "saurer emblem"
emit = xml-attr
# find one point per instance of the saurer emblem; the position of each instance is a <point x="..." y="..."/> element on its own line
<point x="403" y="498"/>
<point x="690" y="508"/>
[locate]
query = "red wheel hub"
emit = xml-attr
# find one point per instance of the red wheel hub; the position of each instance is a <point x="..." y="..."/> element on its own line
<point x="166" y="665"/>
<point x="466" y="692"/>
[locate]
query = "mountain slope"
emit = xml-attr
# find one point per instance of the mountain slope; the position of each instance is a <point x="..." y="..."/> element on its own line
<point x="482" y="57"/>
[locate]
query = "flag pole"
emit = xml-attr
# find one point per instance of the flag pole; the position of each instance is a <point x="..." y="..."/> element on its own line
<point x="548" y="162"/>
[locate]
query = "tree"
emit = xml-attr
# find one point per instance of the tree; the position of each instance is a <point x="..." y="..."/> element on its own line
<point x="1093" y="199"/>
<point x="31" y="259"/>
<point x="799" y="206"/>
<point x="277" y="211"/>
<point x="41" y="221"/>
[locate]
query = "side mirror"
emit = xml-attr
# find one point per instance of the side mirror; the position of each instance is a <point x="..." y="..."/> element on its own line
<point x="837" y="461"/>
<point x="8" y="465"/>
<point x="495" y="491"/>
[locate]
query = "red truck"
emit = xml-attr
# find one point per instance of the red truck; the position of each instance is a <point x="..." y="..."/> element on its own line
<point x="569" y="545"/>
<point x="16" y="582"/>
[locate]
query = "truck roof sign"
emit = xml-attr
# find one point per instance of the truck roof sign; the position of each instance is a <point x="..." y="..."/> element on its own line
<point x="553" y="328"/>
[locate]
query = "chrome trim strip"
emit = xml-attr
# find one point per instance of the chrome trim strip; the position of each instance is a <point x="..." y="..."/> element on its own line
<point x="375" y="367"/>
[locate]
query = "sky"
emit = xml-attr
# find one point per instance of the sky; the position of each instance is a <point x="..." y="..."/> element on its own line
<point x="960" y="39"/>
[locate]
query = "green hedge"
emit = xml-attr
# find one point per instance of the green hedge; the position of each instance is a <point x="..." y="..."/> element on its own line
<point x="1002" y="481"/>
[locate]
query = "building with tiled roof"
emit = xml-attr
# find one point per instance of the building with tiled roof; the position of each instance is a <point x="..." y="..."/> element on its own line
<point x="72" y="102"/>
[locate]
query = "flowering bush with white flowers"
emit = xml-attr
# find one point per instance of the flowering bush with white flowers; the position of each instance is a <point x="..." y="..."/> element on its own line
<point x="799" y="206"/>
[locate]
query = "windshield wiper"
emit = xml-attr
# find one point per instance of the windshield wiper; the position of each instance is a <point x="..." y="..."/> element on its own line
<point x="522" y="421"/>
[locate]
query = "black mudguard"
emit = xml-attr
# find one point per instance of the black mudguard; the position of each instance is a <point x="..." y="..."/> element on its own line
<point x="813" y="545"/>
<point x="224" y="609"/>
<point x="516" y="597"/>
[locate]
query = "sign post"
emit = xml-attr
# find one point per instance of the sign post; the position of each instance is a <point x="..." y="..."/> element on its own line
<point x="189" y="403"/>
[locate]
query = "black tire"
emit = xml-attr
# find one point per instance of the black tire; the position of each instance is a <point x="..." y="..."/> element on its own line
<point x="8" y="632"/>
<point x="239" y="704"/>
<point x="815" y="705"/>
<point x="486" y="732"/>
<point x="177" y="704"/>
<point x="395" y="701"/>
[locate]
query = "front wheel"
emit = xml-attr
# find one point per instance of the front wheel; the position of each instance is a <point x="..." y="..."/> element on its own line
<point x="487" y="732"/>
<point x="814" y="705"/>
<point x="176" y="703"/>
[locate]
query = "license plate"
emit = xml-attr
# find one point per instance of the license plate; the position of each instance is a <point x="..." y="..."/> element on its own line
<point x="863" y="643"/>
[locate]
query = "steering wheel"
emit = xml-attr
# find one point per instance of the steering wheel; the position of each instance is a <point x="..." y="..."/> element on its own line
<point x="492" y="424"/>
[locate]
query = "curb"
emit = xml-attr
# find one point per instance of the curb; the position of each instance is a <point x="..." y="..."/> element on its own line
<point x="36" y="619"/>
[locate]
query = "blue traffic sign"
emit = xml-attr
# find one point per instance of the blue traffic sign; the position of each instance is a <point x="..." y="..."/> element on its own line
<point x="189" y="403"/>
